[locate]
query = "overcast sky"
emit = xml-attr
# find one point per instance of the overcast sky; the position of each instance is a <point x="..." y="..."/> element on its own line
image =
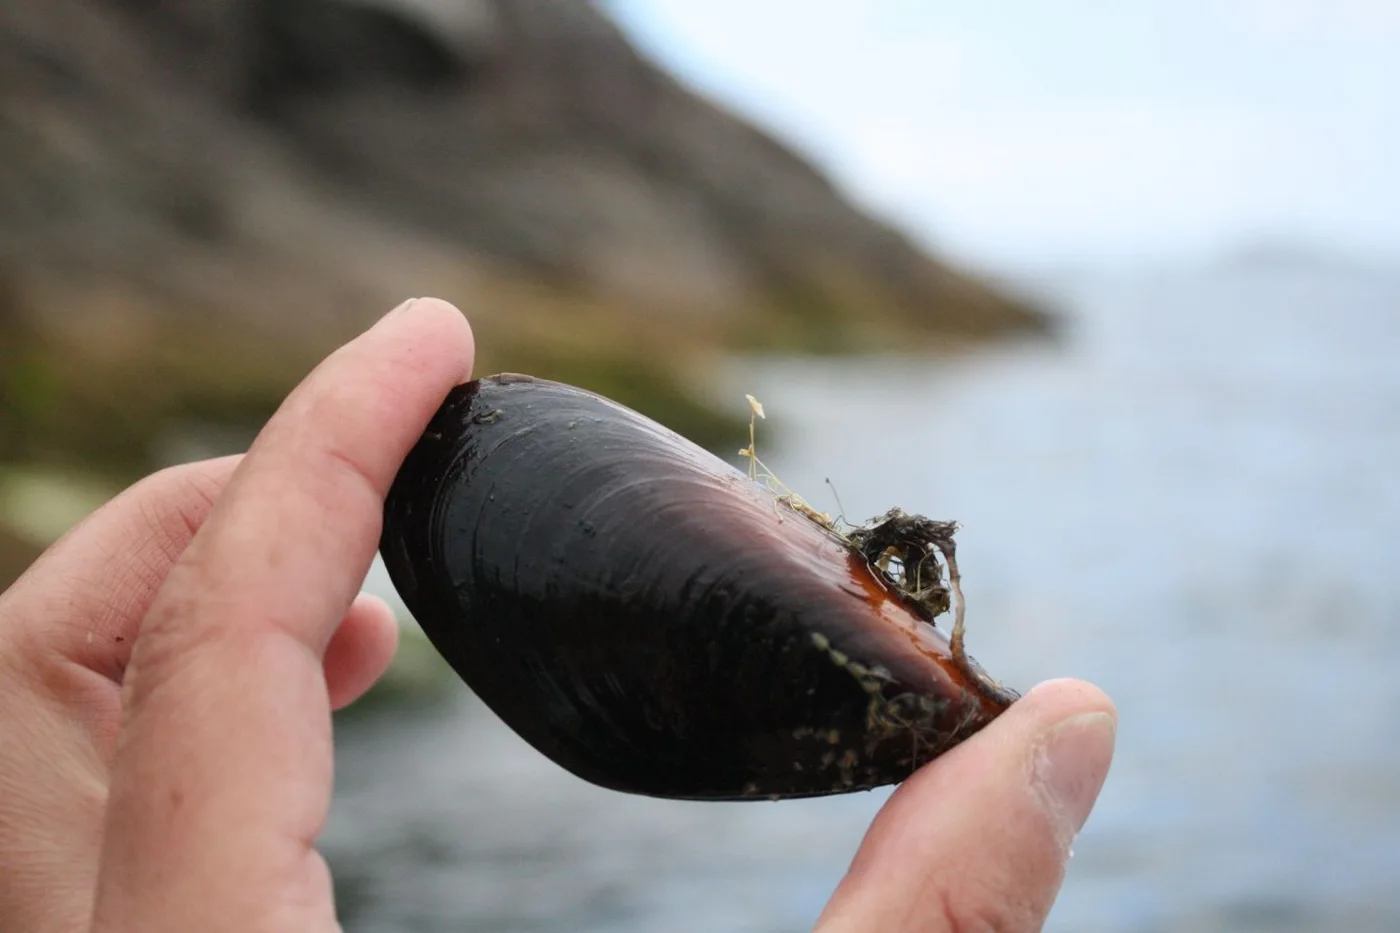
<point x="1028" y="133"/>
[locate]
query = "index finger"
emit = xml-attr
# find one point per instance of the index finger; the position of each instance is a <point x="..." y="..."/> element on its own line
<point x="223" y="774"/>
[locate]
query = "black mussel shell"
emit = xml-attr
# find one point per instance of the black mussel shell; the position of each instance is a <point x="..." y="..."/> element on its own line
<point x="653" y="620"/>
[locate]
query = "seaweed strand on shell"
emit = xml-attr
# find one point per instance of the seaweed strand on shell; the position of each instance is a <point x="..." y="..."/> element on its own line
<point x="902" y="548"/>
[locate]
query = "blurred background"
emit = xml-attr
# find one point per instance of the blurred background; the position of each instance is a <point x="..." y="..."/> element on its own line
<point x="1115" y="285"/>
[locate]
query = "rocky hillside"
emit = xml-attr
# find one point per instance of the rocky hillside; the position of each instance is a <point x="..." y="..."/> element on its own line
<point x="198" y="198"/>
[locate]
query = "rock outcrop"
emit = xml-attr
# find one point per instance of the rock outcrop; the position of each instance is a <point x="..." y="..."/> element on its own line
<point x="198" y="198"/>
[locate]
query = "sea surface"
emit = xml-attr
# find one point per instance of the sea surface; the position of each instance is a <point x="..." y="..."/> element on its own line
<point x="1193" y="500"/>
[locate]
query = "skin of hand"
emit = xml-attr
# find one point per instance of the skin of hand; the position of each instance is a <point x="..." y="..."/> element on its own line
<point x="168" y="671"/>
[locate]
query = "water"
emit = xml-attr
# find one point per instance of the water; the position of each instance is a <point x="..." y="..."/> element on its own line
<point x="1194" y="503"/>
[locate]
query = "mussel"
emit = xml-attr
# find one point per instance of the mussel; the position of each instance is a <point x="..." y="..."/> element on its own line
<point x="656" y="622"/>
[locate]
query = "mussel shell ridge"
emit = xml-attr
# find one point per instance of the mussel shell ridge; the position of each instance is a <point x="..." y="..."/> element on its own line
<point x="651" y="619"/>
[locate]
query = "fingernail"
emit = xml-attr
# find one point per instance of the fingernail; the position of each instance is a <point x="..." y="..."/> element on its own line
<point x="1071" y="766"/>
<point x="397" y="311"/>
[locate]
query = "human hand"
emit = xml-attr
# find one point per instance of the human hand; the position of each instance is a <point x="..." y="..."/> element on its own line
<point x="167" y="672"/>
<point x="168" y="669"/>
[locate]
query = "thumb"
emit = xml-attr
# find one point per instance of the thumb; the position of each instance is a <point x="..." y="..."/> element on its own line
<point x="978" y="839"/>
